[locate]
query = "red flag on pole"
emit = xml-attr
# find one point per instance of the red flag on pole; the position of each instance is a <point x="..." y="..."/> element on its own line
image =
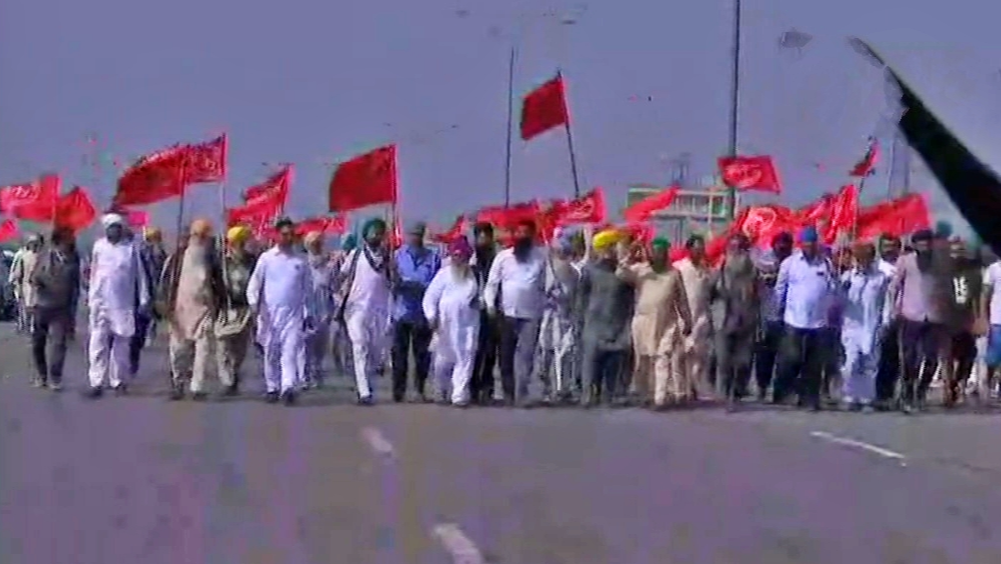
<point x="867" y="165"/>
<point x="644" y="209"/>
<point x="75" y="211"/>
<point x="543" y="109"/>
<point x="32" y="202"/>
<point x="750" y="173"/>
<point x="8" y="231"/>
<point x="364" y="181"/>
<point x="166" y="173"/>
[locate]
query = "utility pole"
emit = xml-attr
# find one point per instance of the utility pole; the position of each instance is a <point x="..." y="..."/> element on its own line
<point x="734" y="103"/>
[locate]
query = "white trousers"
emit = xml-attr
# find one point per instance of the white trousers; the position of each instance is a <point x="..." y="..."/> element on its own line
<point x="284" y="349"/>
<point x="367" y="332"/>
<point x="859" y="371"/>
<point x="452" y="371"/>
<point x="109" y="356"/>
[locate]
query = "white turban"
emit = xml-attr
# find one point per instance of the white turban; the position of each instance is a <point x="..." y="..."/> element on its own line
<point x="110" y="219"/>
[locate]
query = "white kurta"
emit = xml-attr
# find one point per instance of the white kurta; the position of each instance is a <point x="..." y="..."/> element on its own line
<point x="366" y="315"/>
<point x="117" y="287"/>
<point x="280" y="289"/>
<point x="451" y="302"/>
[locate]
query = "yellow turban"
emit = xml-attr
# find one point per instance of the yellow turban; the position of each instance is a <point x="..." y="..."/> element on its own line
<point x="312" y="237"/>
<point x="606" y="239"/>
<point x="151" y="233"/>
<point x="237" y="234"/>
<point x="201" y="228"/>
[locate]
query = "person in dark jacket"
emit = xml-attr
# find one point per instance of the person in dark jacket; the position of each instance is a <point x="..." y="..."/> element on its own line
<point x="56" y="279"/>
<point x="481" y="386"/>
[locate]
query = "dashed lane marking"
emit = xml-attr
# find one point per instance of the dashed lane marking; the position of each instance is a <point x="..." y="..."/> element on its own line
<point x="878" y="450"/>
<point x="459" y="546"/>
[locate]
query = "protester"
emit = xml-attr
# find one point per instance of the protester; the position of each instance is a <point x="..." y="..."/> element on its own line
<point x="234" y="325"/>
<point x="20" y="278"/>
<point x="557" y="336"/>
<point x="866" y="316"/>
<point x="451" y="307"/>
<point x="279" y="292"/>
<point x="481" y="387"/>
<point x="889" y="354"/>
<point x="366" y="306"/>
<point x="416" y="266"/>
<point x="803" y="291"/>
<point x="773" y="328"/>
<point x="517" y="282"/>
<point x="117" y="291"/>
<point x="55" y="280"/>
<point x="734" y="287"/>
<point x="324" y="273"/>
<point x="696" y="275"/>
<point x="659" y="326"/>
<point x="195" y="296"/>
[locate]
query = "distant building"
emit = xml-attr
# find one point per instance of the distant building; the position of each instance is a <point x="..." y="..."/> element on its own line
<point x="703" y="209"/>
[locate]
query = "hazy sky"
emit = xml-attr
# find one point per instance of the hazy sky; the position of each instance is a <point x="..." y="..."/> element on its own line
<point x="315" y="82"/>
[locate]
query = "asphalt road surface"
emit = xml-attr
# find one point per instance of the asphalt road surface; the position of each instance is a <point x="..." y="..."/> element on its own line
<point x="142" y="480"/>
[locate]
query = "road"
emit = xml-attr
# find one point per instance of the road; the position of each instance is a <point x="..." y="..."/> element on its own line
<point x="142" y="480"/>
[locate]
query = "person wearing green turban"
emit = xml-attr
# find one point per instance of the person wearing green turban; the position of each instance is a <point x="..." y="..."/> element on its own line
<point x="661" y="320"/>
<point x="350" y="243"/>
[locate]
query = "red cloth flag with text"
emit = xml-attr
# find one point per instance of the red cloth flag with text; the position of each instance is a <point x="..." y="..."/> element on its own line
<point x="867" y="165"/>
<point x="762" y="223"/>
<point x="333" y="225"/>
<point x="166" y="173"/>
<point x="272" y="194"/>
<point x="32" y="202"/>
<point x="644" y="209"/>
<point x="544" y="108"/>
<point x="589" y="208"/>
<point x="844" y="210"/>
<point x="364" y="181"/>
<point x="75" y="211"/>
<point x="750" y="173"/>
<point x="897" y="217"/>
<point x="457" y="230"/>
<point x="8" y="231"/>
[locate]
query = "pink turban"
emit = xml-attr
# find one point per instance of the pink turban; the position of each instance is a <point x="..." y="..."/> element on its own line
<point x="460" y="246"/>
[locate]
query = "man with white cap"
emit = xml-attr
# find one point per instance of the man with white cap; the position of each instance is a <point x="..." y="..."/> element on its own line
<point x="20" y="279"/>
<point x="324" y="276"/>
<point x="117" y="288"/>
<point x="556" y="337"/>
<point x="280" y="291"/>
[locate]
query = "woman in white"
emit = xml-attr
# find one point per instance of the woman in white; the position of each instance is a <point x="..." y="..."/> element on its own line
<point x="451" y="305"/>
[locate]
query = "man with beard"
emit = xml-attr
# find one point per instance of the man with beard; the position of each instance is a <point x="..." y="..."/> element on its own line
<point x="416" y="266"/>
<point x="734" y="286"/>
<point x="804" y="291"/>
<point x="56" y="279"/>
<point x="965" y="322"/>
<point x="606" y="302"/>
<point x="324" y="271"/>
<point x="696" y="276"/>
<point x="659" y="325"/>
<point x="117" y="289"/>
<point x="481" y="386"/>
<point x="517" y="279"/>
<point x="864" y="319"/>
<point x="194" y="297"/>
<point x="280" y="291"/>
<point x="234" y="326"/>
<point x="772" y="327"/>
<point x="556" y="337"/>
<point x="368" y="281"/>
<point x="889" y="354"/>
<point x="922" y="280"/>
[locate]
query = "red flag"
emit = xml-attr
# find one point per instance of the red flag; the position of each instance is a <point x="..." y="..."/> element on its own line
<point x="335" y="225"/>
<point x="896" y="217"/>
<point x="544" y="108"/>
<point x="8" y="231"/>
<point x="644" y="209"/>
<point x="867" y="165"/>
<point x="844" y="211"/>
<point x="396" y="235"/>
<point x="507" y="218"/>
<point x="32" y="202"/>
<point x="166" y="173"/>
<point x="136" y="218"/>
<point x="457" y="230"/>
<point x="275" y="189"/>
<point x="762" y="223"/>
<point x="750" y="173"/>
<point x="589" y="208"/>
<point x="262" y="212"/>
<point x="364" y="180"/>
<point x="75" y="211"/>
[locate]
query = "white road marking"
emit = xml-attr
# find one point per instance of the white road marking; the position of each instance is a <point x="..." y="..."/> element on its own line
<point x="458" y="545"/>
<point x="377" y="442"/>
<point x="885" y="453"/>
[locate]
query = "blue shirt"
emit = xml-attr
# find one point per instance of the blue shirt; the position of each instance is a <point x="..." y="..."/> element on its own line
<point x="805" y="291"/>
<point x="416" y="268"/>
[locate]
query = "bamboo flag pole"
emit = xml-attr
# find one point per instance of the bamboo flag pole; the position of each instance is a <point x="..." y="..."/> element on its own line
<point x="573" y="154"/>
<point x="510" y="127"/>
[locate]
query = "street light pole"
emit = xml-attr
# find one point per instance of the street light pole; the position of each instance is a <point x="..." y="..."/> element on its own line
<point x="734" y="103"/>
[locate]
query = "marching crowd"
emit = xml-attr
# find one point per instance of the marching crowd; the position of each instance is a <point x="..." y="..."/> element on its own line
<point x="595" y="319"/>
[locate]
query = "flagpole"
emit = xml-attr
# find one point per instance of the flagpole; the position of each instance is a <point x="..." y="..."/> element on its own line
<point x="573" y="154"/>
<point x="510" y="126"/>
<point x="734" y="102"/>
